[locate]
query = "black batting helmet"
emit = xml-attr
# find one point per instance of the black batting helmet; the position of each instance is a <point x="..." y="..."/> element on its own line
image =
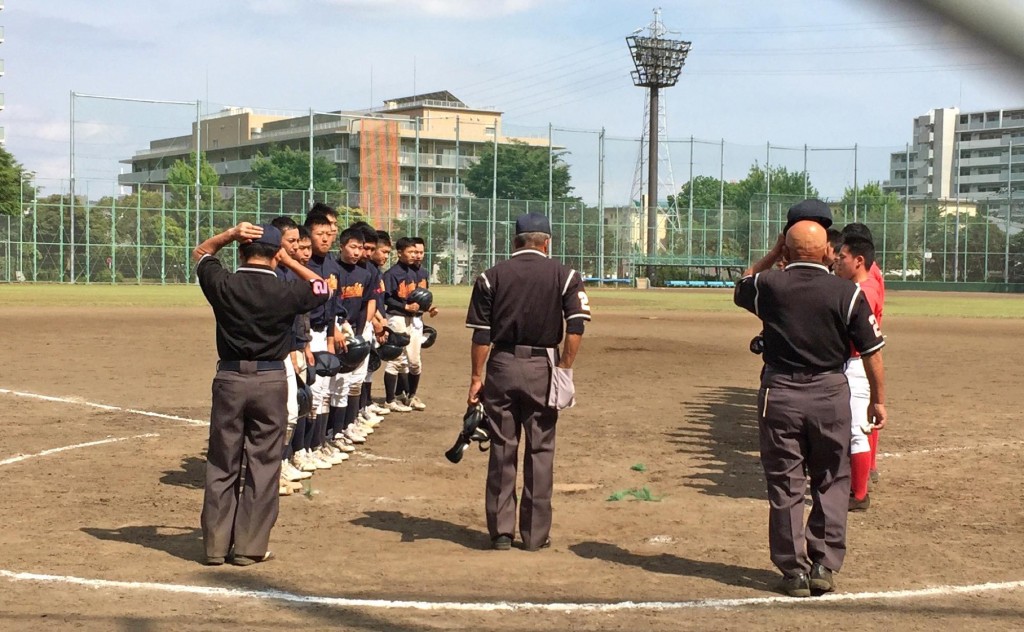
<point x="374" y="361"/>
<point x="327" y="364"/>
<point x="429" y="337"/>
<point x="394" y="345"/>
<point x="356" y="350"/>
<point x="422" y="297"/>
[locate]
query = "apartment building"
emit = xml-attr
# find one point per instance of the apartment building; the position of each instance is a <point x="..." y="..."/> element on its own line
<point x="406" y="156"/>
<point x="965" y="155"/>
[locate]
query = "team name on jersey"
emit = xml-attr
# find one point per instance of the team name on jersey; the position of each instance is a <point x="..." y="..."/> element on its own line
<point x="352" y="291"/>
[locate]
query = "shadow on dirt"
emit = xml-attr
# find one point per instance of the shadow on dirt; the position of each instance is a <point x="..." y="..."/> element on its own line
<point x="720" y="437"/>
<point x="182" y="542"/>
<point x="191" y="475"/>
<point x="728" y="574"/>
<point x="413" y="528"/>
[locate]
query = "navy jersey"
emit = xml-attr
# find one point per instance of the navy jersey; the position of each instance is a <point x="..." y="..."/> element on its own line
<point x="325" y="267"/>
<point x="378" y="285"/>
<point x="399" y="281"/>
<point x="355" y="291"/>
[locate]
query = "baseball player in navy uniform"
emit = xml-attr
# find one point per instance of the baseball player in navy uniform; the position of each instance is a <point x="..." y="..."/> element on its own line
<point x="354" y="300"/>
<point x="378" y="259"/>
<point x="322" y="325"/>
<point x="255" y="315"/>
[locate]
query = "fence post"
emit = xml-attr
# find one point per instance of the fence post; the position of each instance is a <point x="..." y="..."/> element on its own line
<point x="88" y="236"/>
<point x="35" y="235"/>
<point x="163" y="237"/>
<point x="113" y="238"/>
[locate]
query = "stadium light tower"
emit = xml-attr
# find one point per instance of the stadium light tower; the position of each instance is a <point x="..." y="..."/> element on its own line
<point x="659" y="62"/>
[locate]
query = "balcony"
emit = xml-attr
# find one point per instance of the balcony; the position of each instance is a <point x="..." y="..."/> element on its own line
<point x="444" y="161"/>
<point x="988" y="143"/>
<point x="142" y="177"/>
<point x="336" y="155"/>
<point x="1" y="100"/>
<point x="432" y="188"/>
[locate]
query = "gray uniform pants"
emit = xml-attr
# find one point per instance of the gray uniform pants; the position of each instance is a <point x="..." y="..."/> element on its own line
<point x="805" y="419"/>
<point x="515" y="400"/>
<point x="247" y="422"/>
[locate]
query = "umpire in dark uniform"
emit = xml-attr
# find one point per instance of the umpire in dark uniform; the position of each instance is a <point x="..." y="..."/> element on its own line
<point x="810" y="319"/>
<point x="517" y="313"/>
<point x="255" y="313"/>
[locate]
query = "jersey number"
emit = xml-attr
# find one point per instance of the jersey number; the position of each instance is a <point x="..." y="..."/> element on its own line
<point x="584" y="301"/>
<point x="874" y="326"/>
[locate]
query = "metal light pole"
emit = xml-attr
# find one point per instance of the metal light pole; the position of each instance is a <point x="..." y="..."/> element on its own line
<point x="659" y="62"/>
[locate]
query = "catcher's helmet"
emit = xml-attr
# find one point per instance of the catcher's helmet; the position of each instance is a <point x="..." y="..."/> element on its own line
<point x="356" y="350"/>
<point x="422" y="297"/>
<point x="374" y="360"/>
<point x="393" y="346"/>
<point x="327" y="364"/>
<point x="429" y="337"/>
<point x="304" y="397"/>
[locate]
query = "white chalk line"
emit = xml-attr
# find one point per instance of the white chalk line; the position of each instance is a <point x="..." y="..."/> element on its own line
<point x="81" y="402"/>
<point x="389" y="604"/>
<point x="25" y="457"/>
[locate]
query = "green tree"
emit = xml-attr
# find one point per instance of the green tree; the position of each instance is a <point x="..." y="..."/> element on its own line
<point x="182" y="178"/>
<point x="14" y="184"/>
<point x="286" y="168"/>
<point x="522" y="173"/>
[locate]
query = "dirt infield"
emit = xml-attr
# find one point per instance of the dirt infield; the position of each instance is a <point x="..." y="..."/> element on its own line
<point x="674" y="392"/>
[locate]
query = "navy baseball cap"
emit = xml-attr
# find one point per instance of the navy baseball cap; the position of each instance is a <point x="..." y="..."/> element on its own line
<point x="271" y="236"/>
<point x="533" y="223"/>
<point x="814" y="210"/>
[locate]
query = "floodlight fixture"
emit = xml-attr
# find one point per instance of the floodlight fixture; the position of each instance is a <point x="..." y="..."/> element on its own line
<point x="659" y="61"/>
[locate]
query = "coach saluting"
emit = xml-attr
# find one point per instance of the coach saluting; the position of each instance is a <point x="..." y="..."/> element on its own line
<point x="517" y="313"/>
<point x="255" y="312"/>
<point x="810" y="320"/>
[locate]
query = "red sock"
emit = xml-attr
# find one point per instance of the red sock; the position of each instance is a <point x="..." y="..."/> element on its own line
<point x="860" y="469"/>
<point x="873" y="442"/>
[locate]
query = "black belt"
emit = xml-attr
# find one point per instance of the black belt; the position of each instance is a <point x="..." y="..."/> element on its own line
<point x="249" y="366"/>
<point x="802" y="374"/>
<point x="533" y="351"/>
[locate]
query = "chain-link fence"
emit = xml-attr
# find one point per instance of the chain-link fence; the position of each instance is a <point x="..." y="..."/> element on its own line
<point x="148" y="236"/>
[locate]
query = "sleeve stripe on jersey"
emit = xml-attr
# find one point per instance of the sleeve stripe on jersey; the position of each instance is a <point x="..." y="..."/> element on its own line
<point x="849" y="312"/>
<point x="873" y="349"/>
<point x="756" y="294"/>
<point x="205" y="255"/>
<point x="567" y="282"/>
<point x="487" y="281"/>
<point x="478" y="326"/>
<point x="584" y="316"/>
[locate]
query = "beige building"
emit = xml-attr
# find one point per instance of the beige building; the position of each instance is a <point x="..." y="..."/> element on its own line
<point x="380" y="155"/>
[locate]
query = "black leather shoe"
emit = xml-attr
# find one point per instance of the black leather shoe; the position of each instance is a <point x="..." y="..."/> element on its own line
<point x="502" y="543"/>
<point x="821" y="579"/>
<point x="796" y="585"/>
<point x="544" y="545"/>
<point x="860" y="505"/>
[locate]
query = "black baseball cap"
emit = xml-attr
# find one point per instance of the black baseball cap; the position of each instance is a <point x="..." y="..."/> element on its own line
<point x="533" y="223"/>
<point x="271" y="236"/>
<point x="814" y="210"/>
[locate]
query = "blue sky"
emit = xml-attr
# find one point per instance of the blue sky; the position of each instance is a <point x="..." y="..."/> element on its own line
<point x="827" y="73"/>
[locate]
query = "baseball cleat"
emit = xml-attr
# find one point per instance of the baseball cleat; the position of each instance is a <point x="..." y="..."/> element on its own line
<point x="416" y="403"/>
<point x="398" y="407"/>
<point x="860" y="505"/>
<point x="377" y="409"/>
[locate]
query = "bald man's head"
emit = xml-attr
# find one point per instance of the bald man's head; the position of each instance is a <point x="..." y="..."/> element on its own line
<point x="806" y="241"/>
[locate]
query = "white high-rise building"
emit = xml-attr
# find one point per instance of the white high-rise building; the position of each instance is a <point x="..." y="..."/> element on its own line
<point x="964" y="155"/>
